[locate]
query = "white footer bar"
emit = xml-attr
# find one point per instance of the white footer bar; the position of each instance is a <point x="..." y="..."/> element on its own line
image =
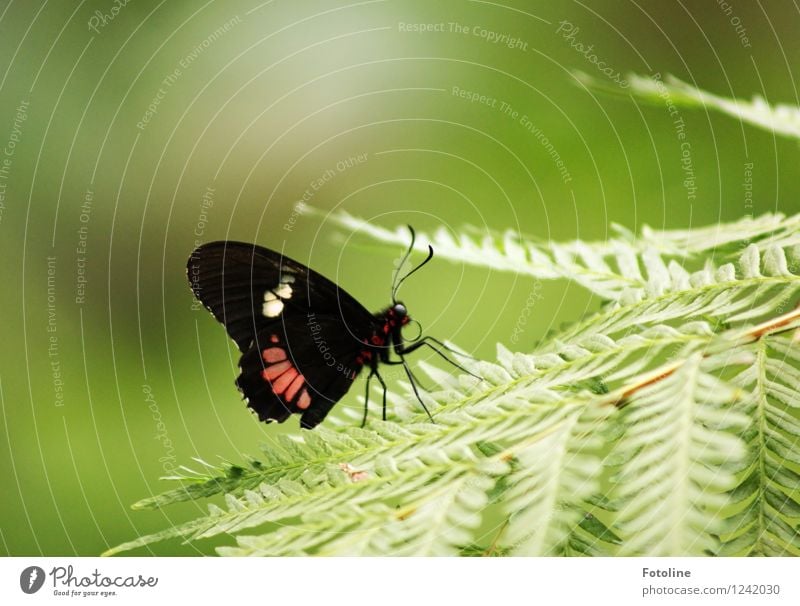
<point x="399" y="581"/>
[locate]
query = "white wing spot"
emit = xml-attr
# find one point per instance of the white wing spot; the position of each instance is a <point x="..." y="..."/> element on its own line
<point x="274" y="298"/>
<point x="284" y="291"/>
<point x="272" y="308"/>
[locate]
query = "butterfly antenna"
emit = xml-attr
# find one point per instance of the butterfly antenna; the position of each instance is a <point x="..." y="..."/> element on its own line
<point x="418" y="267"/>
<point x="395" y="283"/>
<point x="396" y="287"/>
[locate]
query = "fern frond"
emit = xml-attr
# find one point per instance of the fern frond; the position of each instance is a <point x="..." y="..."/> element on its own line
<point x="439" y="519"/>
<point x="757" y="287"/>
<point x="781" y="119"/>
<point x="727" y="239"/>
<point x="680" y="451"/>
<point x="555" y="475"/>
<point x="393" y="467"/>
<point x="283" y="457"/>
<point x="624" y="269"/>
<point x="435" y="519"/>
<point x="767" y="519"/>
<point x="592" y="537"/>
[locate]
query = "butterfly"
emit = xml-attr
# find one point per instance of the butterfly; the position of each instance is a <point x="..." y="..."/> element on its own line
<point x="303" y="339"/>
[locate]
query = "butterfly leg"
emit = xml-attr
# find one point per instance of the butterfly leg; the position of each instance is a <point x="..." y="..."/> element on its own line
<point x="398" y="363"/>
<point x="374" y="372"/>
<point x="446" y="347"/>
<point x="410" y="376"/>
<point x="402" y="351"/>
<point x="366" y="400"/>
<point x="383" y="384"/>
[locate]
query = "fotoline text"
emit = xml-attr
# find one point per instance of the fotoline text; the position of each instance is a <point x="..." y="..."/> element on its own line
<point x="669" y="573"/>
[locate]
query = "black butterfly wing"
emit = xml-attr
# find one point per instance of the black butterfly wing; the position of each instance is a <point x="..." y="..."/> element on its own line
<point x="249" y="288"/>
<point x="299" y="368"/>
<point x="300" y="334"/>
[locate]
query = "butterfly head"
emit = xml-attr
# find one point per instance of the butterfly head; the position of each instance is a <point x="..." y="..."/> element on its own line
<point x="398" y="315"/>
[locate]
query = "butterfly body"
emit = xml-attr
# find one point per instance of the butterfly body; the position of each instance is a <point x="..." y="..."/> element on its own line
<point x="303" y="339"/>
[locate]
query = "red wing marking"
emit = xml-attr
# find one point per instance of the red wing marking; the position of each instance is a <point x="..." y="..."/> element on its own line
<point x="273" y="354"/>
<point x="274" y="338"/>
<point x="292" y="390"/>
<point x="284" y="381"/>
<point x="276" y="370"/>
<point x="376" y="340"/>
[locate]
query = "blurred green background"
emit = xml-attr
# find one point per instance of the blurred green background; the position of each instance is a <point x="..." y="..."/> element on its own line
<point x="132" y="132"/>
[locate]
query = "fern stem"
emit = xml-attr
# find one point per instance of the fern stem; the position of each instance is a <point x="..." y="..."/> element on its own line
<point x="493" y="546"/>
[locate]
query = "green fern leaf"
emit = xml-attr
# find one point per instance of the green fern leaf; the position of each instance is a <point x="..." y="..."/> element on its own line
<point x="781" y="119"/>
<point x="679" y="449"/>
<point x="768" y="495"/>
<point x="555" y="475"/>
